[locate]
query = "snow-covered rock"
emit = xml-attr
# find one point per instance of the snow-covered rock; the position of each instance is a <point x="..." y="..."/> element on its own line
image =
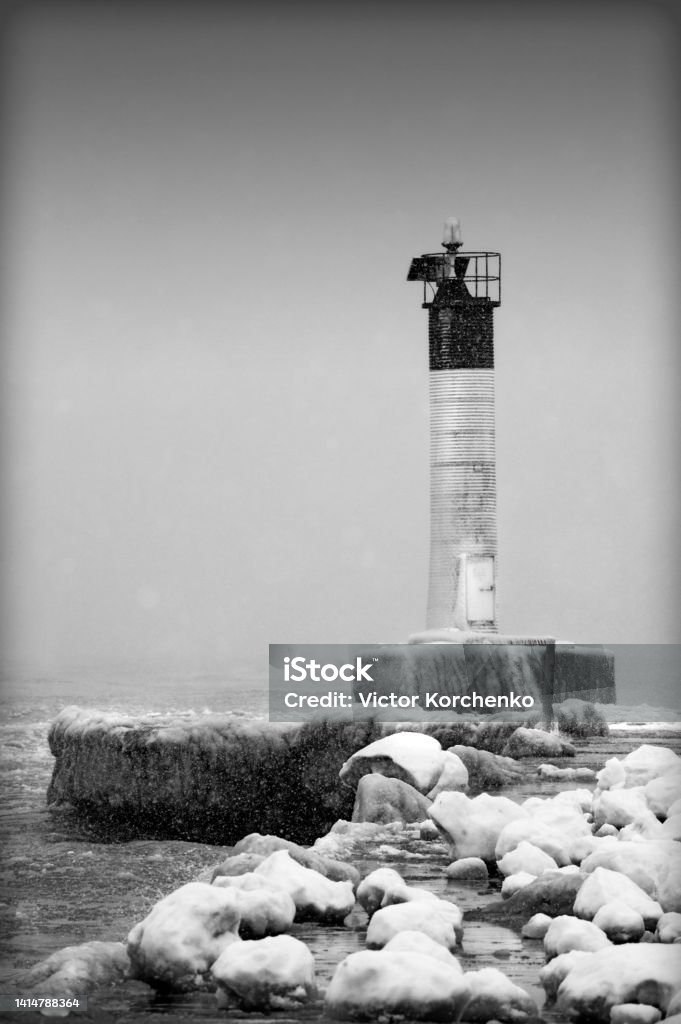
<point x="662" y="792"/>
<point x="380" y="799"/>
<point x="493" y="996"/>
<point x="256" y="844"/>
<point x="472" y="827"/>
<point x="453" y="775"/>
<point x="275" y="973"/>
<point x="174" y="947"/>
<point x="647" y="973"/>
<point x="315" y="897"/>
<point x="554" y="835"/>
<point x="552" y="893"/>
<point x="551" y="771"/>
<point x="620" y="807"/>
<point x="634" y="1013"/>
<point x="603" y="886"/>
<point x="536" y="927"/>
<point x="639" y="767"/>
<point x="514" y="883"/>
<point x="412" y="757"/>
<point x="566" y="933"/>
<point x="668" y="928"/>
<point x="671" y="828"/>
<point x="418" y="942"/>
<point x="75" y="970"/>
<point x="655" y="865"/>
<point x="383" y="985"/>
<point x="467" y="867"/>
<point x="619" y="921"/>
<point x="528" y="858"/>
<point x="373" y="887"/>
<point x="264" y="909"/>
<point x="537" y="743"/>
<point x="440" y="919"/>
<point x="555" y="971"/>
<point x="487" y="770"/>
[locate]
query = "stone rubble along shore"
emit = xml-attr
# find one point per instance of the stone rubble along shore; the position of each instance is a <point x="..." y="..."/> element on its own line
<point x="600" y="893"/>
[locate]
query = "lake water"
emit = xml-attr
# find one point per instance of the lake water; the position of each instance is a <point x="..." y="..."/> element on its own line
<point x="60" y="888"/>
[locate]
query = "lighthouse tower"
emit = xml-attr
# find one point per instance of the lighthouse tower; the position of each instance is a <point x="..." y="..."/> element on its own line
<point x="460" y="292"/>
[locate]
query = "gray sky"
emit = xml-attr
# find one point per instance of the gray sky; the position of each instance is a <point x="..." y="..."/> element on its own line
<point x="216" y="430"/>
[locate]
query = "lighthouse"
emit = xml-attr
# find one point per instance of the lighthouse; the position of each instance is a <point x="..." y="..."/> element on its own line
<point x="460" y="292"/>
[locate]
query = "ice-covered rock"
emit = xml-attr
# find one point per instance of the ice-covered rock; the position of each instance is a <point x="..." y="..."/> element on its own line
<point x="428" y="830"/>
<point x="662" y="792"/>
<point x="555" y="971"/>
<point x="315" y="897"/>
<point x="487" y="770"/>
<point x="406" y="894"/>
<point x="601" y="833"/>
<point x="620" y="807"/>
<point x="174" y="947"/>
<point x="493" y="996"/>
<point x="634" y="1013"/>
<point x="611" y="775"/>
<point x="418" y="942"/>
<point x="554" y="835"/>
<point x="373" y="887"/>
<point x="553" y="893"/>
<point x="528" y="858"/>
<point x="602" y="886"/>
<point x="537" y="743"/>
<point x="472" y="827"/>
<point x="514" y="883"/>
<point x="536" y="927"/>
<point x="668" y="928"/>
<point x="648" y="762"/>
<point x="551" y="771"/>
<point x="453" y="775"/>
<point x="263" y="846"/>
<point x="238" y="864"/>
<point x="275" y="973"/>
<point x="412" y="757"/>
<point x="264" y="909"/>
<point x="440" y="919"/>
<point x="75" y="970"/>
<point x="619" y="921"/>
<point x="671" y="828"/>
<point x="467" y="867"/>
<point x="655" y="865"/>
<point x="380" y="799"/>
<point x="634" y="973"/>
<point x="372" y="985"/>
<point x="566" y="933"/>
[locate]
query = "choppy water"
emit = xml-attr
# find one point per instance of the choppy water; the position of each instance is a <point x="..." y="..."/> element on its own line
<point x="60" y="888"/>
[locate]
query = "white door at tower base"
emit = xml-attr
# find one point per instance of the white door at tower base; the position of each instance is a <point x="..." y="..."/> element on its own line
<point x="480" y="588"/>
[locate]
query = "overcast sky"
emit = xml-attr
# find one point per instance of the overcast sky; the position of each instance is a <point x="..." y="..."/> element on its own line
<point x="216" y="408"/>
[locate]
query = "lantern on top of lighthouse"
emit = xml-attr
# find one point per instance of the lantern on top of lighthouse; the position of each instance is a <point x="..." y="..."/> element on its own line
<point x="460" y="292"/>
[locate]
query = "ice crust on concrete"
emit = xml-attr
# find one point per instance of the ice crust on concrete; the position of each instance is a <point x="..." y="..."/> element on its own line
<point x="275" y="973"/>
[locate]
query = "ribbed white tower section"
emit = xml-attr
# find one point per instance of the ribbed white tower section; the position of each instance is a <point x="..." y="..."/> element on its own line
<point x="461" y="291"/>
<point x="462" y="492"/>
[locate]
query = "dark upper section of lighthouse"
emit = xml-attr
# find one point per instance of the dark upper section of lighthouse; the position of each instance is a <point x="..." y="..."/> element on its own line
<point x="460" y="292"/>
